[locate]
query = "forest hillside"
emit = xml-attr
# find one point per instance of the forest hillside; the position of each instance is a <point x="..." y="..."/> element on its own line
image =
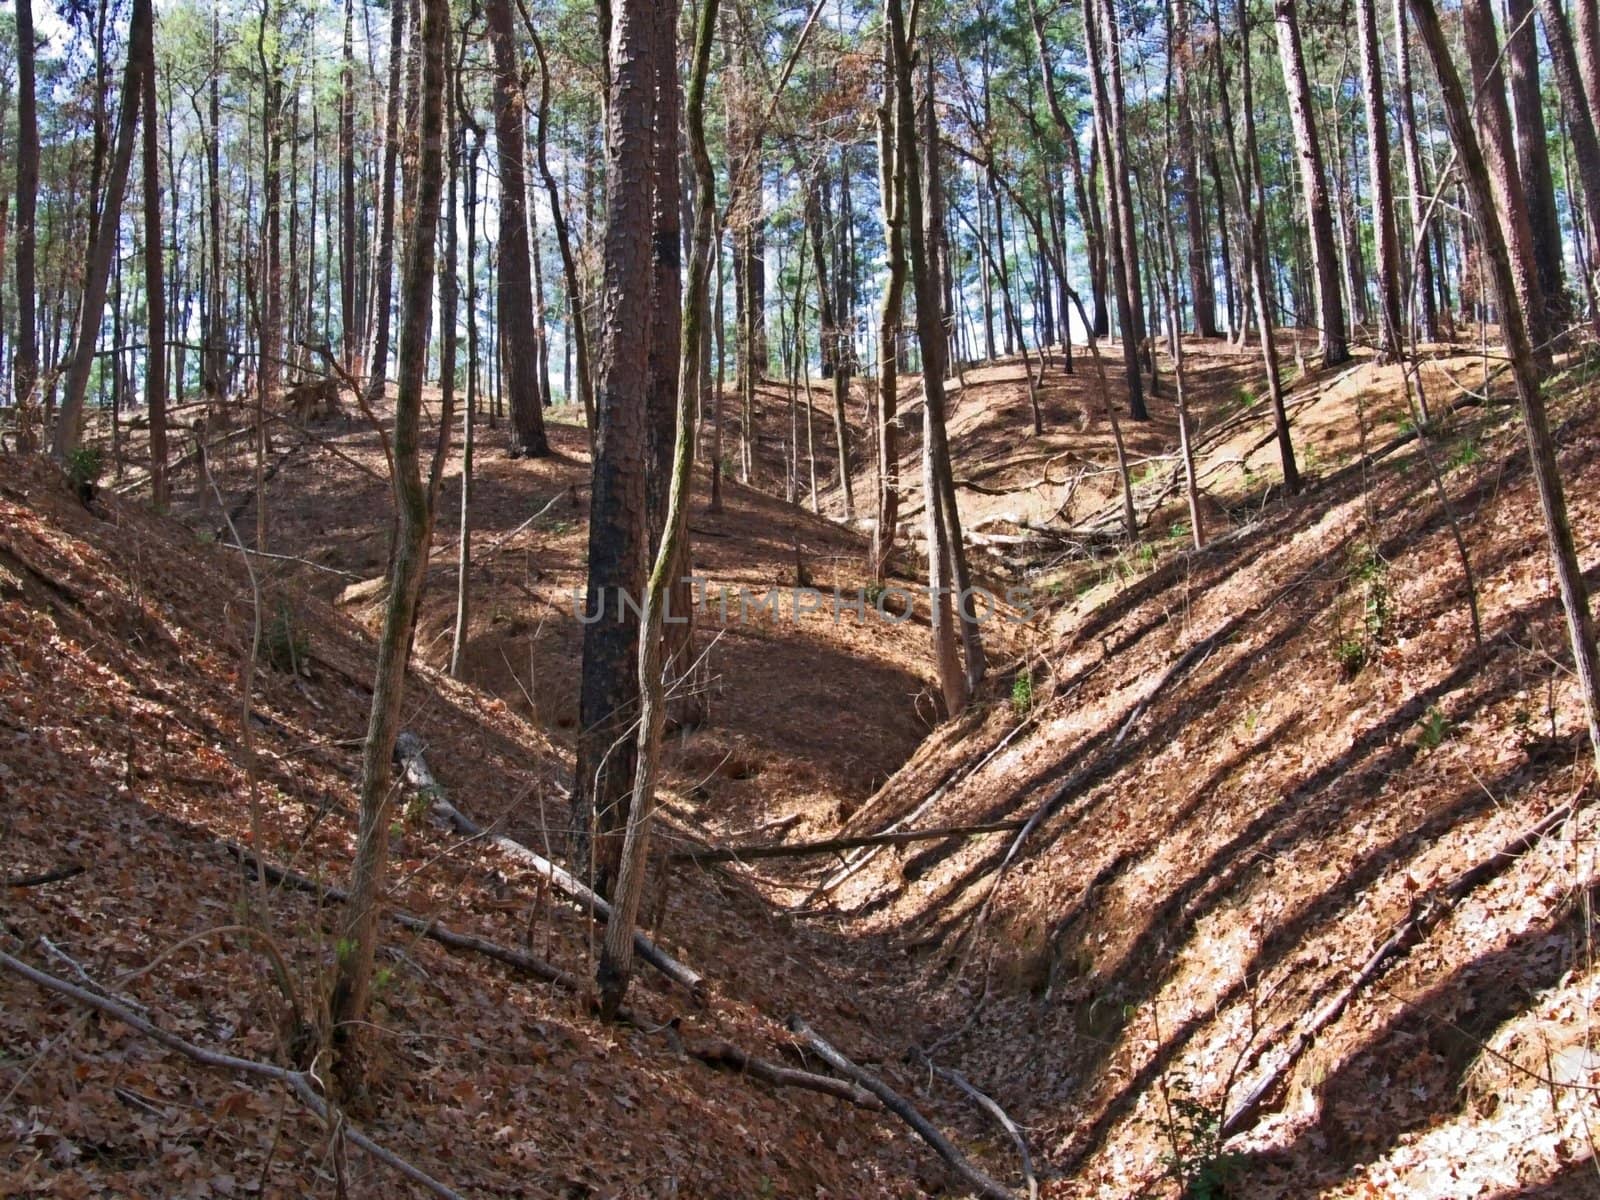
<point x="807" y="598"/>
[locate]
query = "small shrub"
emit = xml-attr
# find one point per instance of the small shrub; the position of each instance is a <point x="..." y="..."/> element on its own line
<point x="1465" y="454"/>
<point x="1195" y="1159"/>
<point x="85" y="465"/>
<point x="1367" y="580"/>
<point x="1351" y="654"/>
<point x="1022" y="693"/>
<point x="1434" y="728"/>
<point x="285" y="645"/>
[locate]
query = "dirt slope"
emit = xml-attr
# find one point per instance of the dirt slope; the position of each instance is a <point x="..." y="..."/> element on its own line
<point x="123" y="638"/>
<point x="1252" y="766"/>
<point x="1253" y="763"/>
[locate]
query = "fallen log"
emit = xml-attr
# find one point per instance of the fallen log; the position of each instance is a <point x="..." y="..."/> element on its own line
<point x="53" y="875"/>
<point x="716" y="854"/>
<point x="408" y="753"/>
<point x="998" y="1114"/>
<point x="301" y="1083"/>
<point x="972" y="1176"/>
<point x="727" y="1056"/>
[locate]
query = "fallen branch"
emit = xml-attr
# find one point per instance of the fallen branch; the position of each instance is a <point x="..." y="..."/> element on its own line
<point x="727" y="1056"/>
<point x="302" y="1083"/>
<point x="1018" y="1138"/>
<point x="428" y="928"/>
<point x="974" y="1178"/>
<point x="53" y="875"/>
<point x="829" y="845"/>
<point x="408" y="751"/>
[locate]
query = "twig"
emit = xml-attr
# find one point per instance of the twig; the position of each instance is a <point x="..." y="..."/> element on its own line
<point x="302" y="1083"/>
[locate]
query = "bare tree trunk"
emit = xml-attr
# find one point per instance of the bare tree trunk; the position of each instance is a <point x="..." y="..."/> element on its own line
<point x="578" y="335"/>
<point x="889" y="316"/>
<point x="1388" y="236"/>
<point x="155" y="359"/>
<point x="618" y="507"/>
<point x="1332" y="336"/>
<point x="519" y="351"/>
<point x="949" y="584"/>
<point x="1541" y="448"/>
<point x="1499" y="153"/>
<point x="102" y="248"/>
<point x="25" y="370"/>
<point x="617" y="958"/>
<point x="1581" y="124"/>
<point x="351" y="990"/>
<point x="833" y="359"/>
<point x="1421" y="296"/>
<point x="1202" y="291"/>
<point x="1120" y="235"/>
<point x="383" y="270"/>
<point x="458" y="639"/>
<point x="1533" y="159"/>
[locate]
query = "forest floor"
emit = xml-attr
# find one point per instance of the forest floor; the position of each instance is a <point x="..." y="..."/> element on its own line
<point x="1252" y="765"/>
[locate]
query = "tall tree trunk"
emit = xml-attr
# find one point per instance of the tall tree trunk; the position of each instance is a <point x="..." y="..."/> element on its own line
<point x="1333" y="339"/>
<point x="519" y="352"/>
<point x="349" y="302"/>
<point x="1581" y="124"/>
<point x="25" y="370"/>
<point x="1476" y="174"/>
<point x="617" y="956"/>
<point x="102" y="247"/>
<point x="1499" y="152"/>
<point x="1119" y="235"/>
<point x="577" y="332"/>
<point x="351" y="991"/>
<point x="889" y="316"/>
<point x="1388" y="236"/>
<point x="1202" y="291"/>
<point x="1533" y="159"/>
<point x="948" y="581"/>
<point x="458" y="639"/>
<point x="833" y="358"/>
<point x="618" y="506"/>
<point x="1421" y="295"/>
<point x="383" y="271"/>
<point x="155" y="358"/>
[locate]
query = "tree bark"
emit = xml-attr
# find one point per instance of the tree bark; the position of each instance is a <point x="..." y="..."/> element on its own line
<point x="519" y="354"/>
<point x="1420" y="298"/>
<point x="1533" y="159"/>
<point x="102" y="247"/>
<point x="1476" y="175"/>
<point x="618" y="514"/>
<point x="1332" y="335"/>
<point x="155" y="360"/>
<point x="1388" y="236"/>
<point x="25" y="368"/>
<point x="351" y="992"/>
<point x="1499" y="154"/>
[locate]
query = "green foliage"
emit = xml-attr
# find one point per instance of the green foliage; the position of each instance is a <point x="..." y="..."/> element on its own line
<point x="1022" y="693"/>
<point x="285" y="645"/>
<point x="1466" y="453"/>
<point x="1367" y="581"/>
<point x="85" y="465"/>
<point x="1434" y="728"/>
<point x="1195" y="1159"/>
